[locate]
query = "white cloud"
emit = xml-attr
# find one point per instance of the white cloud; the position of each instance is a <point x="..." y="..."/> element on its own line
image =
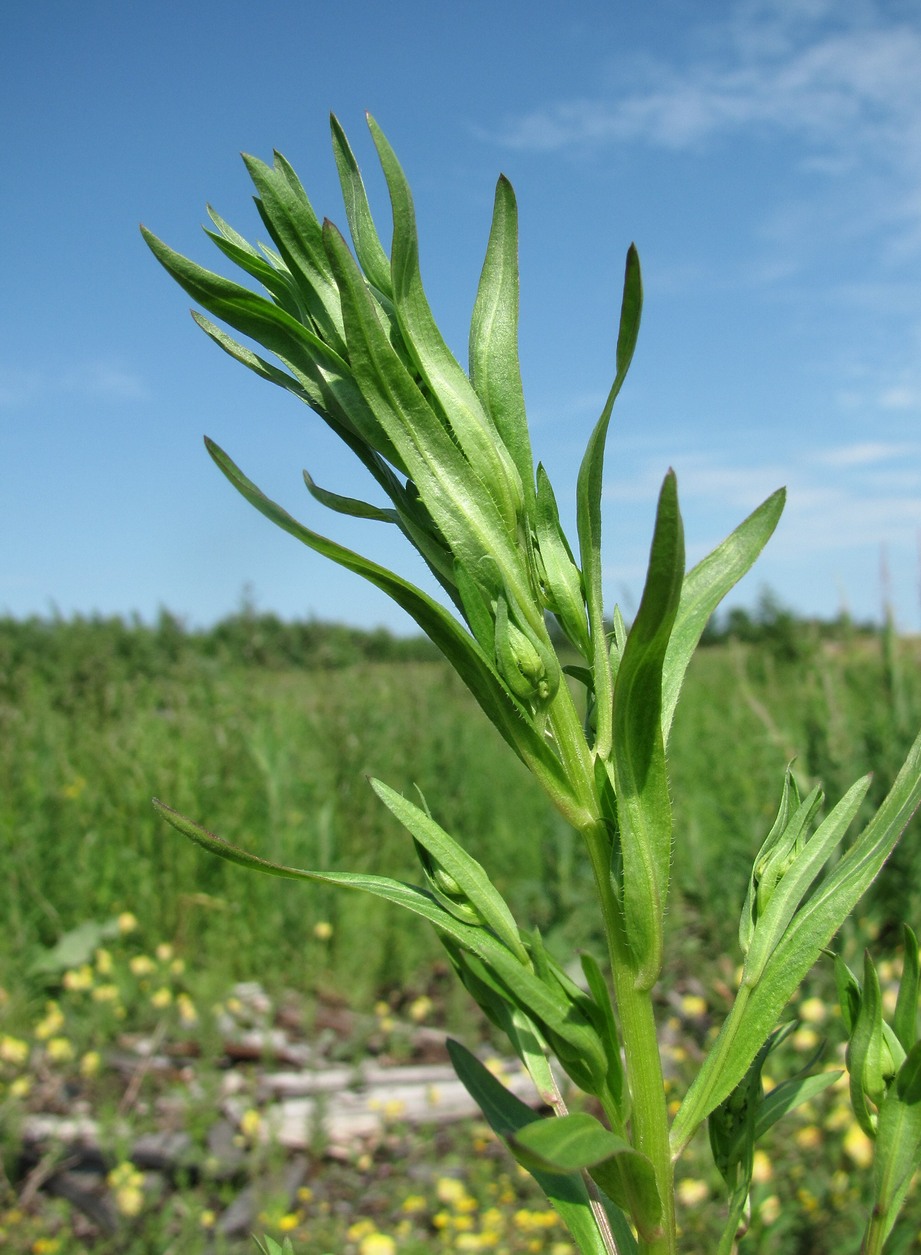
<point x="838" y="499"/>
<point x="901" y="397"/>
<point x="866" y="453"/>
<point x="99" y="379"/>
<point x="843" y="79"/>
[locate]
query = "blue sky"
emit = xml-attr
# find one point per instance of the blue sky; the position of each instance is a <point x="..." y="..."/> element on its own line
<point x="765" y="157"/>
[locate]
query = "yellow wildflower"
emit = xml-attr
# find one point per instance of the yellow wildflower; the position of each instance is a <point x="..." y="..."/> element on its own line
<point x="377" y="1244"/>
<point x="813" y="1011"/>
<point x="420" y="1009"/>
<point x="450" y="1190"/>
<point x="13" y="1050"/>
<point x="360" y="1229"/>
<point x="90" y="1063"/>
<point x="770" y="1209"/>
<point x="52" y="1023"/>
<point x="59" y="1049"/>
<point x="693" y="1005"/>
<point x="186" y="1008"/>
<point x="250" y="1122"/>
<point x="105" y="993"/>
<point x="762" y="1169"/>
<point x="126" y="1184"/>
<point x="78" y="979"/>
<point x="74" y="789"/>
<point x="808" y="1137"/>
<point x="691" y="1192"/>
<point x="858" y="1147"/>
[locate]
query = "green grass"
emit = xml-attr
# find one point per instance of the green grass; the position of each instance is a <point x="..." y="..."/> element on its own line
<point x="274" y="753"/>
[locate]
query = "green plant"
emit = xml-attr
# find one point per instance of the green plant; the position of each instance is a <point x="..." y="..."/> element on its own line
<point x="450" y="450"/>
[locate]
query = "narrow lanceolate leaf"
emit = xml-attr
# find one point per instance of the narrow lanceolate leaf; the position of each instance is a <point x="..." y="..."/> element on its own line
<point x="455" y="497"/>
<point x="588" y="501"/>
<point x="295" y="228"/>
<point x="449" y="385"/>
<point x="640" y="778"/>
<point x="905" y="1017"/>
<point x="508" y="1117"/>
<point x="705" y="587"/>
<point x="546" y="1004"/>
<point x="789" y="1095"/>
<point x="494" y="367"/>
<point x="461" y="650"/>
<point x="246" y="311"/>
<point x="616" y="1080"/>
<point x="297" y="385"/>
<point x="469" y="875"/>
<point x="756" y="1011"/>
<point x="371" y="254"/>
<point x="579" y="1142"/>
<point x="349" y="505"/>
<point x="277" y="282"/>
<point x="414" y="899"/>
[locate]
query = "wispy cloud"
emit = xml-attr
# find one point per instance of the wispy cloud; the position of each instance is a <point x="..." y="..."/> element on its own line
<point x="842" y="78"/>
<point x="852" y="496"/>
<point x="98" y="379"/>
<point x="867" y="453"/>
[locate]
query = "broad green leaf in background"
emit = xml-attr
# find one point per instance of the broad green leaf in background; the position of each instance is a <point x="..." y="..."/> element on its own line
<point x="508" y="1116"/>
<point x="579" y="1142"/>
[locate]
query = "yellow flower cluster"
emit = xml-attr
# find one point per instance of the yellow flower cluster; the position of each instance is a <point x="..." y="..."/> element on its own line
<point x="126" y="1184"/>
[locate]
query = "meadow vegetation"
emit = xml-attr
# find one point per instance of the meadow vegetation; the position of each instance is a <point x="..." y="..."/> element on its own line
<point x="267" y="731"/>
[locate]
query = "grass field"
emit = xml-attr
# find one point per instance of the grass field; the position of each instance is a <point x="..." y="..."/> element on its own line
<point x="267" y="737"/>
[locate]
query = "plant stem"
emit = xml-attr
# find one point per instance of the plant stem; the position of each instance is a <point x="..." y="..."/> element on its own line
<point x="649" y="1114"/>
<point x="876" y="1234"/>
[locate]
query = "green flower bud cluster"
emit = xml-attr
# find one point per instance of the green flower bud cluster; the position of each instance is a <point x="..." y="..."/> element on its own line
<point x="877" y="1051"/>
<point x="884" y="1067"/>
<point x="780" y="849"/>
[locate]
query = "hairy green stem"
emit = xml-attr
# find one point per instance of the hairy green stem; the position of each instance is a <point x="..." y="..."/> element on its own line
<point x="649" y="1115"/>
